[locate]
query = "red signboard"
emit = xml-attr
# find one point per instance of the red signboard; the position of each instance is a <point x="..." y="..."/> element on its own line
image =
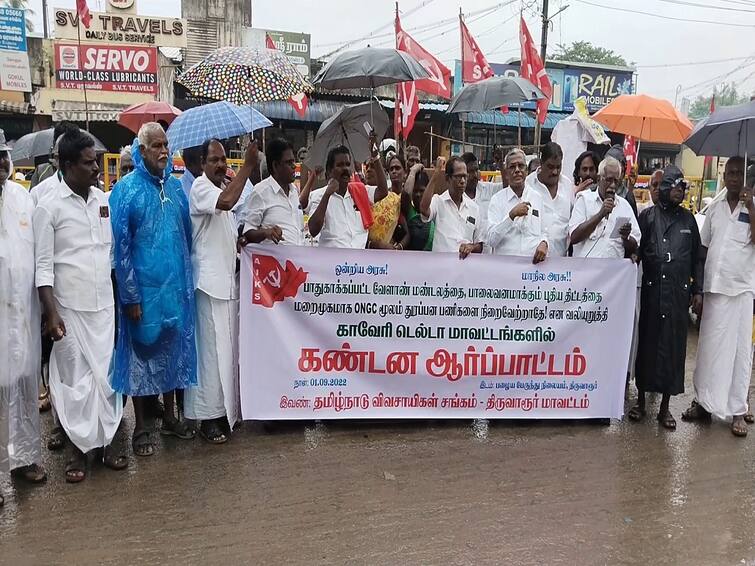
<point x="117" y="68"/>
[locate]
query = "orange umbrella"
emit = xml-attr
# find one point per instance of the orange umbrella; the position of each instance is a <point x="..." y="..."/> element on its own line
<point x="645" y="118"/>
<point x="137" y="114"/>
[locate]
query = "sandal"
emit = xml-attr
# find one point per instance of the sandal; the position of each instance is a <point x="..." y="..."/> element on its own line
<point x="112" y="460"/>
<point x="142" y="443"/>
<point x="76" y="469"/>
<point x="739" y="427"/>
<point x="33" y="473"/>
<point x="57" y="439"/>
<point x="667" y="420"/>
<point x="43" y="402"/>
<point x="749" y="417"/>
<point x="696" y="412"/>
<point x="179" y="429"/>
<point x="636" y="413"/>
<point x="212" y="433"/>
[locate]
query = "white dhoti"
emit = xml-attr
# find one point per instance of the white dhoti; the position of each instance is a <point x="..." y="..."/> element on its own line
<point x="217" y="391"/>
<point x="724" y="354"/>
<point x="88" y="408"/>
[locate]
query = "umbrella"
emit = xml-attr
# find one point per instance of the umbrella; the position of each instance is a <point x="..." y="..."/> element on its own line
<point x="39" y="144"/>
<point x="369" y="68"/>
<point x="727" y="132"/>
<point x="137" y="114"/>
<point x="347" y="127"/>
<point x="493" y="93"/>
<point x="645" y="118"/>
<point x="243" y="75"/>
<point x="221" y="120"/>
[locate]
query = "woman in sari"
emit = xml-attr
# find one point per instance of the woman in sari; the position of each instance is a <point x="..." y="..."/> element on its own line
<point x="390" y="230"/>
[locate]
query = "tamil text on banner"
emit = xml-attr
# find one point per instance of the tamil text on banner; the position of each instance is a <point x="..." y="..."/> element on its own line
<point x="118" y="68"/>
<point x="332" y="334"/>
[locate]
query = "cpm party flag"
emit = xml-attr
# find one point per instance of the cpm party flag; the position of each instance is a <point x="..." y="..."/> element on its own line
<point x="630" y="153"/>
<point x="474" y="66"/>
<point x="439" y="82"/>
<point x="299" y="102"/>
<point x="533" y="70"/>
<point x="83" y="11"/>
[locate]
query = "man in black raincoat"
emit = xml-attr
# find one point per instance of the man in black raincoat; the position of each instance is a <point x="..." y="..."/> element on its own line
<point x="672" y="277"/>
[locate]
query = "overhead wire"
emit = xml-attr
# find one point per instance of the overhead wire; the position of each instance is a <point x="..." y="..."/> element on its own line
<point x="663" y="17"/>
<point x="708" y="6"/>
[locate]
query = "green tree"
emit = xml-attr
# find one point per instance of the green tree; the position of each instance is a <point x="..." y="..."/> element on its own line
<point x="726" y="95"/>
<point x="586" y="52"/>
<point x="22" y="5"/>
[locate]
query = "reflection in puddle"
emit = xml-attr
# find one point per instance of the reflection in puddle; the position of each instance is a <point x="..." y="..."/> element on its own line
<point x="314" y="435"/>
<point x="480" y="429"/>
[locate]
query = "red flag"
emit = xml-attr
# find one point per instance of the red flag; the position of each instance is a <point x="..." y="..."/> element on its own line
<point x="708" y="159"/>
<point x="474" y="66"/>
<point x="300" y="102"/>
<point x="533" y="70"/>
<point x="630" y="152"/>
<point x="271" y="283"/>
<point x="407" y="103"/>
<point x="439" y="82"/>
<point x="83" y="11"/>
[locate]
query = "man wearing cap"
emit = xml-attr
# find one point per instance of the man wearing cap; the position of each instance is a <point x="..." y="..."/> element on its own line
<point x="724" y="353"/>
<point x="669" y="252"/>
<point x="20" y="448"/>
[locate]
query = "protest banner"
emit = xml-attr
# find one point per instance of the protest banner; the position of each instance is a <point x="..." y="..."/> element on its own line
<point x="337" y="334"/>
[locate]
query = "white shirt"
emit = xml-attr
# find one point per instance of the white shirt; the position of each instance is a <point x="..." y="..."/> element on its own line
<point x="518" y="237"/>
<point x="600" y="243"/>
<point x="483" y="194"/>
<point x="730" y="265"/>
<point x="73" y="238"/>
<point x="268" y="205"/>
<point x="454" y="225"/>
<point x="213" y="247"/>
<point x="343" y="226"/>
<point x="38" y="192"/>
<point x="556" y="212"/>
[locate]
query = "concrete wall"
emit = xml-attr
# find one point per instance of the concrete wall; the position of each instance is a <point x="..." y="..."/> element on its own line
<point x="212" y="24"/>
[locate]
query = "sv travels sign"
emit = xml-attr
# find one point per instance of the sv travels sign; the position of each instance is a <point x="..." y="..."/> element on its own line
<point x="123" y="28"/>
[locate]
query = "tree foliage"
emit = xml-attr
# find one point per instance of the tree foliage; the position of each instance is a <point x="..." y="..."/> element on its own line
<point x="586" y="52"/>
<point x="726" y="95"/>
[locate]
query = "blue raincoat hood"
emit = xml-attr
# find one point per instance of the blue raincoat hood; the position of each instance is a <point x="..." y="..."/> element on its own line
<point x="139" y="165"/>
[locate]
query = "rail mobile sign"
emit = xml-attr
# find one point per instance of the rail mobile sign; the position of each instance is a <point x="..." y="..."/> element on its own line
<point x="339" y="334"/>
<point x="116" y="68"/>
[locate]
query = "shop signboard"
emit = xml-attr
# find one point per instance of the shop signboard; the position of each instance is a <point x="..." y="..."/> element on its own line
<point x="122" y="28"/>
<point x="295" y="45"/>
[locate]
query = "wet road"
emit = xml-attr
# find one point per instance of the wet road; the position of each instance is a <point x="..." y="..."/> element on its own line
<point x="405" y="493"/>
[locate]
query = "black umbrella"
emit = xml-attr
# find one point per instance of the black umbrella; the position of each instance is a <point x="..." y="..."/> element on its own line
<point x="727" y="132"/>
<point x="369" y="68"/>
<point x="493" y="93"/>
<point x="39" y="144"/>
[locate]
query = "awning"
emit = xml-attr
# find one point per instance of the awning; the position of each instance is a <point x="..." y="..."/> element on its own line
<point x="438" y="106"/>
<point x="74" y="111"/>
<point x="317" y="111"/>
<point x="498" y="118"/>
<point x="12" y="107"/>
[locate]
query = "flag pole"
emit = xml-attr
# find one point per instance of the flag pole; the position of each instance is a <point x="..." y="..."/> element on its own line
<point x="461" y="45"/>
<point x="397" y="118"/>
<point x="543" y="50"/>
<point x="84" y="81"/>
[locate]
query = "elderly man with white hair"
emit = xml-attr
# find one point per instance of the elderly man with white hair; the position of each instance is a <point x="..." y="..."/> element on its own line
<point x="155" y="350"/>
<point x="515" y="223"/>
<point x="602" y="223"/>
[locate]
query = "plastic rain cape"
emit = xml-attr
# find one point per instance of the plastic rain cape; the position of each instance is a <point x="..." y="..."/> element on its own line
<point x="20" y="345"/>
<point x="152" y="262"/>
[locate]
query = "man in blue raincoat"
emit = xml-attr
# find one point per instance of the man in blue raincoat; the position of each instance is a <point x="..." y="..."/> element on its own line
<point x="155" y="349"/>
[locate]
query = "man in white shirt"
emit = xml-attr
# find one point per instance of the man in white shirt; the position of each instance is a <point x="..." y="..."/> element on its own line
<point x="273" y="213"/>
<point x="215" y="398"/>
<point x="724" y="354"/>
<point x="557" y="193"/>
<point x="456" y="216"/>
<point x="515" y="218"/>
<point x="479" y="191"/>
<point x="602" y="223"/>
<point x="20" y="446"/>
<point x="339" y="213"/>
<point x="51" y="183"/>
<point x="73" y="239"/>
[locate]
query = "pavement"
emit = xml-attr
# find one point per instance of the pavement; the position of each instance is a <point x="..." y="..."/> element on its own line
<point x="400" y="493"/>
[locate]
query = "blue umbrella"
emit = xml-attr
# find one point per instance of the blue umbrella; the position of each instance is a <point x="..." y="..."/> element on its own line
<point x="221" y="120"/>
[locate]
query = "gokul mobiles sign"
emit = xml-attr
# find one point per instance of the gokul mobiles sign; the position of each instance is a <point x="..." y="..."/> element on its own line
<point x="122" y="28"/>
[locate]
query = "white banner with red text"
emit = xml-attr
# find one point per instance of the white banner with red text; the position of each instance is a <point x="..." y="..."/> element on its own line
<point x="346" y="334"/>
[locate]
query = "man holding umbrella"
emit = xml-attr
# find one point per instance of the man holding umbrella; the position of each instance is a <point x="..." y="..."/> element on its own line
<point x="669" y="252"/>
<point x="724" y="354"/>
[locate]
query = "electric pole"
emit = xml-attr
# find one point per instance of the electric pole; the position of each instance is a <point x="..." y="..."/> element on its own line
<point x="543" y="50"/>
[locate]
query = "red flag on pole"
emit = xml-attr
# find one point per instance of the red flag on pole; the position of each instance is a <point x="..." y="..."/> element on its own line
<point x="474" y="66"/>
<point x="533" y="70"/>
<point x="630" y="152"/>
<point x="708" y="159"/>
<point x="439" y="82"/>
<point x="407" y="103"/>
<point x="83" y="11"/>
<point x="298" y="102"/>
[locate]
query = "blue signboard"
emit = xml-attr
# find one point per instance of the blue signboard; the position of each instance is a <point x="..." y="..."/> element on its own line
<point x="12" y="29"/>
